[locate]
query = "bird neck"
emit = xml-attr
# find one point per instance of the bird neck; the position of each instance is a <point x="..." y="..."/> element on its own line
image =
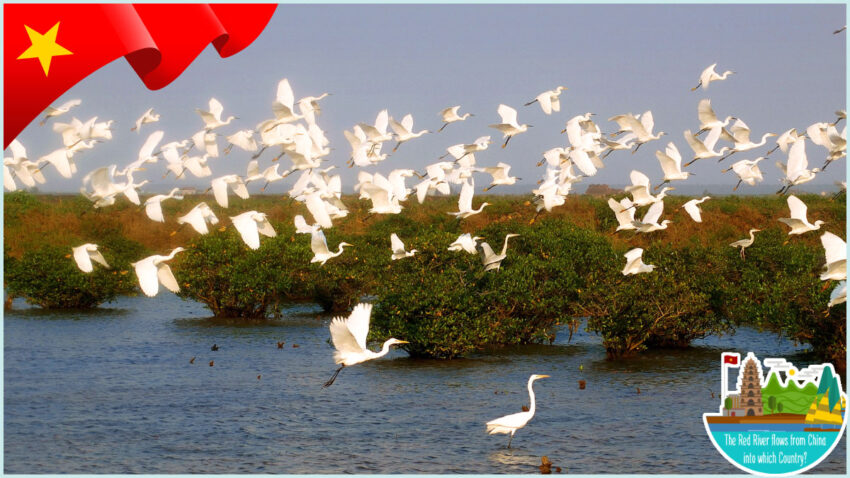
<point x="505" y="249"/>
<point x="384" y="350"/>
<point x="531" y="405"/>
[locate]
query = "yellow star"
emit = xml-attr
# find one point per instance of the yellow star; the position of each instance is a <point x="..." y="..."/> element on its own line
<point x="44" y="47"/>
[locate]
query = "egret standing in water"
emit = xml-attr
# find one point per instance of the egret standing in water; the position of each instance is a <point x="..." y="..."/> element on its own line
<point x="512" y="423"/>
<point x="349" y="339"/>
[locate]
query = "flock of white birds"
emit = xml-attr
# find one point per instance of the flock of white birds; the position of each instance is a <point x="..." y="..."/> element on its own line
<point x="294" y="133"/>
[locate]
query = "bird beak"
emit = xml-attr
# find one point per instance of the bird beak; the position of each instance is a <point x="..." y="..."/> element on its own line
<point x="542" y="376"/>
<point x="402" y="342"/>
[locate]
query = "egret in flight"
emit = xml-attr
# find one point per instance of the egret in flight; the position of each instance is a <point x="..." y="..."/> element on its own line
<point x="512" y="423"/>
<point x="708" y="75"/>
<point x="349" y="339"/>
<point x="450" y="115"/>
<point x="153" y="270"/>
<point x="549" y="100"/>
<point x="86" y="253"/>
<point x="798" y="222"/>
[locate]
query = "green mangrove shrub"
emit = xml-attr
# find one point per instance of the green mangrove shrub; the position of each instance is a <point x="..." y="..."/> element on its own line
<point x="49" y="277"/>
<point x="220" y="271"/>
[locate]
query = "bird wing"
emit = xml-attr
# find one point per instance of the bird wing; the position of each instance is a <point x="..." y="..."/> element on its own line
<point x="317" y="208"/>
<point x="397" y="245"/>
<point x="694" y="142"/>
<point x="545" y="101"/>
<point x="166" y="277"/>
<point x="195" y="219"/>
<point x="264" y="227"/>
<point x="653" y="213"/>
<point x="398" y="128"/>
<point x="507" y="113"/>
<point x="740" y="132"/>
<point x="467" y="191"/>
<point x="247" y="228"/>
<point x="449" y="113"/>
<point x="705" y="113"/>
<point x="486" y="252"/>
<point x="239" y="188"/>
<point x="342" y="338"/>
<point x="285" y="96"/>
<point x="797" y="207"/>
<point x="647" y="122"/>
<point x="512" y="422"/>
<point x="154" y="210"/>
<point x="669" y="165"/>
<point x="382" y="121"/>
<point x="796" y="159"/>
<point x="633" y="254"/>
<point x="623" y="215"/>
<point x="219" y="188"/>
<point x="147" y="272"/>
<point x="95" y="255"/>
<point x="318" y="242"/>
<point x="580" y="158"/>
<point x="407" y="122"/>
<point x="301" y="225"/>
<point x="835" y="248"/>
<point x="712" y="137"/>
<point x="638" y="178"/>
<point x="358" y="323"/>
<point x="216" y="108"/>
<point x="81" y="256"/>
<point x="692" y="208"/>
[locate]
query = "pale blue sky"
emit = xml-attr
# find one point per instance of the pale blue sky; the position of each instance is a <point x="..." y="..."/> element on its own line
<point x="419" y="59"/>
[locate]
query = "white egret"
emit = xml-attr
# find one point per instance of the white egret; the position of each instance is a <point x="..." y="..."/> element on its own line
<point x="318" y="209"/>
<point x="671" y="164"/>
<point x="708" y="75"/>
<point x="63" y="160"/>
<point x="83" y="255"/>
<point x="624" y="211"/>
<point x="319" y="246"/>
<point x="798" y="222"/>
<point x="404" y="130"/>
<point x="649" y="223"/>
<point x="512" y="423"/>
<point x="197" y="165"/>
<point x="640" y="190"/>
<point x="147" y="117"/>
<point x="153" y="205"/>
<point x="501" y="175"/>
<point x="641" y="129"/>
<point x="707" y="117"/>
<point x="741" y="136"/>
<point x="450" y="115"/>
<point x="54" y="111"/>
<point x="549" y="100"/>
<point x="838" y="295"/>
<point x="492" y="260"/>
<point x="465" y="242"/>
<point x="634" y="263"/>
<point x="784" y="140"/>
<point x="398" y="248"/>
<point x="796" y="171"/>
<point x="349" y="338"/>
<point x="153" y="270"/>
<point x="205" y="142"/>
<point x="692" y="208"/>
<point x="458" y="151"/>
<point x="284" y="104"/>
<point x="509" y="126"/>
<point x="242" y="138"/>
<point x="146" y="154"/>
<point x="705" y="149"/>
<point x="748" y="171"/>
<point x="250" y="225"/>
<point x="835" y="250"/>
<point x="464" y="203"/>
<point x="309" y="107"/>
<point x="198" y="218"/>
<point x="745" y="243"/>
<point x="212" y="117"/>
<point x="220" y="184"/>
<point x="378" y="133"/>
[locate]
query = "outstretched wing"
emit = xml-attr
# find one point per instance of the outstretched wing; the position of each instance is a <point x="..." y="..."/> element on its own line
<point x="633" y="254"/>
<point x="798" y="208"/>
<point x="653" y="213"/>
<point x="358" y="323"/>
<point x="397" y="245"/>
<point x="166" y="277"/>
<point x="835" y="248"/>
<point x="507" y="113"/>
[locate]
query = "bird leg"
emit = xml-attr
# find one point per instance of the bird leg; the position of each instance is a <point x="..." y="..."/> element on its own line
<point x="228" y="148"/>
<point x="724" y="157"/>
<point x="506" y="142"/>
<point x="442" y="127"/>
<point x="396" y="146"/>
<point x="529" y="104"/>
<point x="736" y="186"/>
<point x="636" y="148"/>
<point x="259" y="152"/>
<point x="825" y="164"/>
<point x="701" y="131"/>
<point x="662" y="184"/>
<point x="772" y="150"/>
<point x="743" y="254"/>
<point x="690" y="162"/>
<point x="331" y="381"/>
<point x="510" y="439"/>
<point x="698" y="85"/>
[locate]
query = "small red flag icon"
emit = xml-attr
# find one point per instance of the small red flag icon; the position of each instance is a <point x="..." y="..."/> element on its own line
<point x="48" y="48"/>
<point x="730" y="359"/>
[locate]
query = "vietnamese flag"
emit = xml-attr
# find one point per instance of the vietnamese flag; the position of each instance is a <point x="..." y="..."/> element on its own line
<point x="48" y="48"/>
<point x="731" y="359"/>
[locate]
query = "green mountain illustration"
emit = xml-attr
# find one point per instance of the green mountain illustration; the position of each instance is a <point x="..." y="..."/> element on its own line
<point x="791" y="398"/>
<point x="829" y="385"/>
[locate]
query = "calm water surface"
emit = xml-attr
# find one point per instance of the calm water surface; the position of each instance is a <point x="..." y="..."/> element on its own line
<point x="113" y="391"/>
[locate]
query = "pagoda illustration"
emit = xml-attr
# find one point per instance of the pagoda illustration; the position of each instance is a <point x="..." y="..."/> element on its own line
<point x="750" y="380"/>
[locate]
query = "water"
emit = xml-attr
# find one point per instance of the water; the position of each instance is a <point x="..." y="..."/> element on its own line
<point x="113" y="391"/>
